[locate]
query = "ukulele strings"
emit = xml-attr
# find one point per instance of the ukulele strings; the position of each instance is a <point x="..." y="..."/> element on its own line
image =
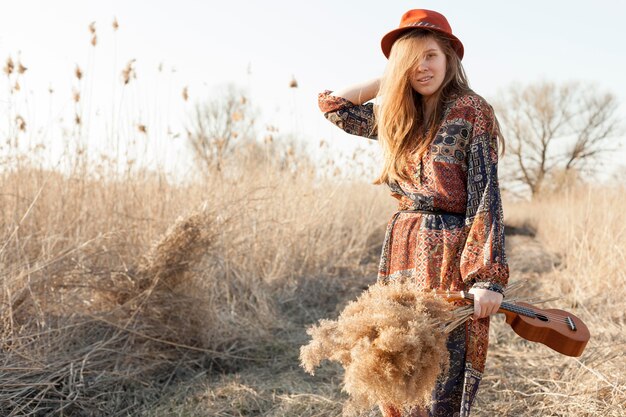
<point x="552" y="316"/>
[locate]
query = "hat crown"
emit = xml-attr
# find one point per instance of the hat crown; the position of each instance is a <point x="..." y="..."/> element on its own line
<point x="425" y="18"/>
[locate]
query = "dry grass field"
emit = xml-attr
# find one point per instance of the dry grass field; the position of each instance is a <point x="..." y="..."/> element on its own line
<point x="131" y="295"/>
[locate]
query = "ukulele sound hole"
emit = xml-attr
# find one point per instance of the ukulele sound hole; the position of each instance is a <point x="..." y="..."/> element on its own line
<point x="542" y="317"/>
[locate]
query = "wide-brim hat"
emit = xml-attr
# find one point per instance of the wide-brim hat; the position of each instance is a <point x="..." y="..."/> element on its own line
<point x="422" y="19"/>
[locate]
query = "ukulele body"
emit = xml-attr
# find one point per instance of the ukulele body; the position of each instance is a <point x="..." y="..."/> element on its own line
<point x="557" y="329"/>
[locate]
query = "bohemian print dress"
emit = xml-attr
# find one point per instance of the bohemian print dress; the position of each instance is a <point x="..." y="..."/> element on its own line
<point x="448" y="232"/>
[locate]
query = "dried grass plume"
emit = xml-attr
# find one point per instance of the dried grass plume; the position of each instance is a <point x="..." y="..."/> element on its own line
<point x="390" y="343"/>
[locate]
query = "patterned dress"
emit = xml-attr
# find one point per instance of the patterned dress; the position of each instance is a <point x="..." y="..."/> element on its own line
<point x="458" y="246"/>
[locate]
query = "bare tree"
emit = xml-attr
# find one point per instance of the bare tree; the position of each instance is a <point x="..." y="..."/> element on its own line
<point x="217" y="125"/>
<point x="555" y="129"/>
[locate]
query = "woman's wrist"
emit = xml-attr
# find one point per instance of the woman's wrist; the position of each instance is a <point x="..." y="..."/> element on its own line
<point x="361" y="92"/>
<point x="491" y="286"/>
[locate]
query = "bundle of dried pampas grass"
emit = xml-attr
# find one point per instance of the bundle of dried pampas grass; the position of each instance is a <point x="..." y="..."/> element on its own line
<point x="391" y="343"/>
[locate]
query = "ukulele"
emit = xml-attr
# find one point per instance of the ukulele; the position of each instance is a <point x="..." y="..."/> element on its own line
<point x="557" y="329"/>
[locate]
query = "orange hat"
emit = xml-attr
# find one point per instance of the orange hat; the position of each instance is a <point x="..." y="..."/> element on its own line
<point x="422" y="19"/>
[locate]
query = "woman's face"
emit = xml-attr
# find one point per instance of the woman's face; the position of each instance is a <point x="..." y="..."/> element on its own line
<point x="428" y="74"/>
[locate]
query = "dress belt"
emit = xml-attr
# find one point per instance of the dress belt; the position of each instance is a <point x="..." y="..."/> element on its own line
<point x="437" y="212"/>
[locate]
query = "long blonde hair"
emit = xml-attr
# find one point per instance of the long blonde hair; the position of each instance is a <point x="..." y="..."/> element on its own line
<point x="402" y="130"/>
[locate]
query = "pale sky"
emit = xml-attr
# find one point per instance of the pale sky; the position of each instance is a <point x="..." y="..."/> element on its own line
<point x="259" y="45"/>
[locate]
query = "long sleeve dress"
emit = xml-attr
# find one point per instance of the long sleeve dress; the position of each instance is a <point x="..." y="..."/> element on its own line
<point x="460" y="244"/>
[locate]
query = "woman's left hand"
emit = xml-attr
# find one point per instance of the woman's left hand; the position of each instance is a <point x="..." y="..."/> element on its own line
<point x="486" y="302"/>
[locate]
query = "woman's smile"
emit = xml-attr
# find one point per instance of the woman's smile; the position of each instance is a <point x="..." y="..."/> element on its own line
<point x="425" y="80"/>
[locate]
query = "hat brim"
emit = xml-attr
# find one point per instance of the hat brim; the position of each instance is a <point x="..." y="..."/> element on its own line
<point x="388" y="40"/>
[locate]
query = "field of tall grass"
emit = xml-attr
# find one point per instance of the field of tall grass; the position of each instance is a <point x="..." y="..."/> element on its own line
<point x="114" y="290"/>
<point x="126" y="292"/>
<point x="138" y="296"/>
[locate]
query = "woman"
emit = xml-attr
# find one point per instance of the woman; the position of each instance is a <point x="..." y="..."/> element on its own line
<point x="440" y="143"/>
